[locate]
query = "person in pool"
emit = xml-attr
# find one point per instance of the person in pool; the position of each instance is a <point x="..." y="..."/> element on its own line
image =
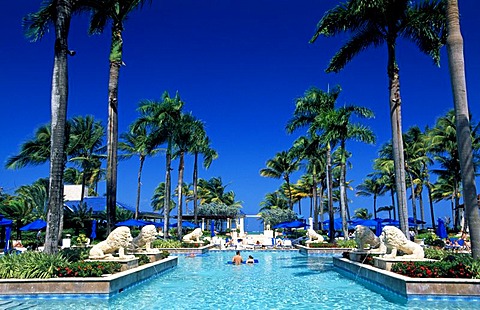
<point x="237" y="259"/>
<point x="250" y="260"/>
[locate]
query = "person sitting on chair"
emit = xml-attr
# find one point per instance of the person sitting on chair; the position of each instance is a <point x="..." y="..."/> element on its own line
<point x="237" y="259"/>
<point x="250" y="260"/>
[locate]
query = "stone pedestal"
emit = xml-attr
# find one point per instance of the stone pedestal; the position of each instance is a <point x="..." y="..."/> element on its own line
<point x="360" y="256"/>
<point x="152" y="256"/>
<point x="386" y="263"/>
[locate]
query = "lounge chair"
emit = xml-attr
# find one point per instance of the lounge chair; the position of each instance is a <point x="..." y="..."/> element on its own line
<point x="287" y="243"/>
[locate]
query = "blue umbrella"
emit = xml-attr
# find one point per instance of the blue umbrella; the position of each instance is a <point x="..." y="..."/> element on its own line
<point x="413" y="222"/>
<point x="35" y="225"/>
<point x="156" y="224"/>
<point x="185" y="224"/>
<point x="132" y="222"/>
<point x="441" y="229"/>
<point x="212" y="228"/>
<point x="8" y="231"/>
<point x="292" y="224"/>
<point x="5" y="222"/>
<point x="93" y="235"/>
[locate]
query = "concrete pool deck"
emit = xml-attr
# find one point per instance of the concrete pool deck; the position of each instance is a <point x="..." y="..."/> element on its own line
<point x="101" y="287"/>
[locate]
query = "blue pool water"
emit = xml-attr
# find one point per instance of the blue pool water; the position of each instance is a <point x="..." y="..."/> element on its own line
<point x="281" y="280"/>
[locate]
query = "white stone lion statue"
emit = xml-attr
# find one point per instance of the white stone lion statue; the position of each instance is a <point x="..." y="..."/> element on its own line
<point x="313" y="236"/>
<point x="395" y="240"/>
<point x="194" y="236"/>
<point x="119" y="239"/>
<point x="147" y="234"/>
<point x="364" y="236"/>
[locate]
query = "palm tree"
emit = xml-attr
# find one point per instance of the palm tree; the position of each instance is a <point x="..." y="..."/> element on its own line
<point x="184" y="139"/>
<point x="274" y="200"/>
<point x="372" y="187"/>
<point x="457" y="74"/>
<point x="201" y="145"/>
<point x="86" y="145"/>
<point x="362" y="213"/>
<point x="337" y="126"/>
<point x="282" y="166"/>
<point x="57" y="13"/>
<point x="384" y="21"/>
<point x="387" y="208"/>
<point x="117" y="12"/>
<point x="158" y="200"/>
<point x="163" y="117"/>
<point x="138" y="141"/>
<point x="307" y="108"/>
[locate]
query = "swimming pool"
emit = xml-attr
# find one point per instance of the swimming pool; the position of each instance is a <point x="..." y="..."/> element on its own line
<point x="281" y="280"/>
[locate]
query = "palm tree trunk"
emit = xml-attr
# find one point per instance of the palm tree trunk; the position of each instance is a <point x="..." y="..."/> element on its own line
<point x="414" y="204"/>
<point x="343" y="194"/>
<point x="374" y="206"/>
<point x="195" y="188"/>
<point x="315" y="204"/>
<point x="320" y="206"/>
<point x="421" y="207"/>
<point x="331" y="213"/>
<point x="139" y="186"/>
<point x="392" y="194"/>
<point x="112" y="144"/>
<point x="166" y="207"/>
<point x="59" y="99"/>
<point x="290" y="200"/>
<point x="181" y="168"/>
<point x="397" y="139"/>
<point x="457" y="74"/>
<point x="432" y="212"/>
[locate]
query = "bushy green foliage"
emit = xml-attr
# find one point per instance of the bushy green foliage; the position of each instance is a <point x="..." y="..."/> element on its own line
<point x="350" y="243"/>
<point x="323" y="245"/>
<point x="75" y="254"/>
<point x="30" y="265"/>
<point x="168" y="243"/>
<point x="276" y="215"/>
<point x="451" y="266"/>
<point x="142" y="259"/>
<point x="434" y="253"/>
<point x="87" y="269"/>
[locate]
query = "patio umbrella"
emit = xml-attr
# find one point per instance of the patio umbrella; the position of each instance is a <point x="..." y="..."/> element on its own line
<point x="35" y="225"/>
<point x="93" y="235"/>
<point x="184" y="224"/>
<point x="156" y="224"/>
<point x="8" y="231"/>
<point x="132" y="222"/>
<point x="413" y="222"/>
<point x="441" y="229"/>
<point x="212" y="228"/>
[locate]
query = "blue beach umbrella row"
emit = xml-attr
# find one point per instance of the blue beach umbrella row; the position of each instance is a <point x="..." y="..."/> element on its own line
<point x="292" y="224"/>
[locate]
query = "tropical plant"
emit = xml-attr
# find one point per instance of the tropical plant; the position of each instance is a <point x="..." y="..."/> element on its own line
<point x="275" y="216"/>
<point x="383" y="22"/>
<point x="162" y="117"/>
<point x="115" y="11"/>
<point x="372" y="187"/>
<point x="282" y="165"/>
<point x="57" y="13"/>
<point x="138" y="141"/>
<point x="30" y="265"/>
<point x="362" y="213"/>
<point x="158" y="199"/>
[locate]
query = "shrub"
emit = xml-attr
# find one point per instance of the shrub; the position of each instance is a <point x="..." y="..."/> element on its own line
<point x="75" y="254"/>
<point x="168" y="243"/>
<point x="433" y="253"/>
<point x="30" y="265"/>
<point x="451" y="266"/>
<point x="323" y="245"/>
<point x="142" y="259"/>
<point x="350" y="243"/>
<point x="87" y="269"/>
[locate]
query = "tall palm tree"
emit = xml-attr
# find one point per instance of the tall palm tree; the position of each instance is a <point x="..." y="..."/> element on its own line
<point x="138" y="142"/>
<point x="372" y="187"/>
<point x="57" y="13"/>
<point x="457" y="73"/>
<point x="163" y="117"/>
<point x="117" y="12"/>
<point x="314" y="103"/>
<point x="384" y="21"/>
<point x="282" y="165"/>
<point x="184" y="139"/>
<point x="158" y="200"/>
<point x="201" y="145"/>
<point x="336" y="125"/>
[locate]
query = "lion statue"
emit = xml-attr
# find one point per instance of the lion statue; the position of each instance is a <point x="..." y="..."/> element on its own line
<point x="145" y="238"/>
<point x="194" y="236"/>
<point x="364" y="236"/>
<point x="395" y="240"/>
<point x="313" y="236"/>
<point x="117" y="240"/>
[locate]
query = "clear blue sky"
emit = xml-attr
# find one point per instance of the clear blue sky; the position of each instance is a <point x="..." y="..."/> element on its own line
<point x="238" y="65"/>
